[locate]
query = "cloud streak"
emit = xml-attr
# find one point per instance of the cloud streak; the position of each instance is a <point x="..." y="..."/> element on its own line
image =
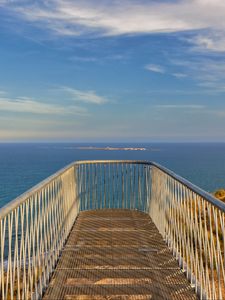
<point x="179" y="75"/>
<point x="159" y="69"/>
<point x="155" y="68"/>
<point x="209" y="73"/>
<point x="179" y="106"/>
<point x="84" y="96"/>
<point x="28" y="105"/>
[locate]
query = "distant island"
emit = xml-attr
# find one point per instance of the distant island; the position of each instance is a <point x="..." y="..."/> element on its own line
<point x="113" y="148"/>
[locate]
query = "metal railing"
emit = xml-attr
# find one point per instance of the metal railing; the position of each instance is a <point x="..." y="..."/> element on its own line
<point x="35" y="226"/>
<point x="33" y="230"/>
<point x="193" y="225"/>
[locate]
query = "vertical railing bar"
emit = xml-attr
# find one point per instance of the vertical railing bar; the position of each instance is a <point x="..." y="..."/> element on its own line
<point x="122" y="190"/>
<point x="104" y="176"/>
<point x="126" y="186"/>
<point x="118" y="186"/>
<point x="3" y="229"/>
<point x="89" y="185"/>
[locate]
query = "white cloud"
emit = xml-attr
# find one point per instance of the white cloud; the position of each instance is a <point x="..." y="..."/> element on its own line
<point x="155" y="68"/>
<point x="68" y="17"/>
<point x="73" y="18"/>
<point x="109" y="18"/>
<point x="84" y="96"/>
<point x="28" y="105"/>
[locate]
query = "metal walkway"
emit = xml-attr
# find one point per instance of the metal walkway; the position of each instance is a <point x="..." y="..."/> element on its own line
<point x="117" y="254"/>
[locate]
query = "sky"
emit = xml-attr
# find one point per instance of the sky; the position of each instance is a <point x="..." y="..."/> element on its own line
<point x="100" y="70"/>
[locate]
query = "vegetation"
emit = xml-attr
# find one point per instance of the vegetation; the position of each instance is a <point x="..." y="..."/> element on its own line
<point x="220" y="194"/>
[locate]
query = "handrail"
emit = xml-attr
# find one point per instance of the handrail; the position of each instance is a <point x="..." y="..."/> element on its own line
<point x="33" y="230"/>
<point x="20" y="199"/>
<point x="13" y="204"/>
<point x="192" y="223"/>
<point x="209" y="197"/>
<point x="35" y="226"/>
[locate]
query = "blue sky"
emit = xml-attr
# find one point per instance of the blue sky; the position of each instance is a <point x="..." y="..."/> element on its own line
<point x="112" y="70"/>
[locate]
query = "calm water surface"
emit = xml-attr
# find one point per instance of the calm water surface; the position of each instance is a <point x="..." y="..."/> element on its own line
<point x="24" y="165"/>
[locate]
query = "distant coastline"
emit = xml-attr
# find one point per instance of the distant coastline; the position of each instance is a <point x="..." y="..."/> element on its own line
<point x="113" y="148"/>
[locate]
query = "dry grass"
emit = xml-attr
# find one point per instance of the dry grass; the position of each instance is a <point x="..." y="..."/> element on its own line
<point x="220" y="194"/>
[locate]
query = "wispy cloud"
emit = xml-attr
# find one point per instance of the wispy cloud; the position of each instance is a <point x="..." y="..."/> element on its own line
<point x="180" y="106"/>
<point x="208" y="72"/>
<point x="179" y="75"/>
<point x="88" y="59"/>
<point x="2" y="93"/>
<point x="209" y="41"/>
<point x="84" y="96"/>
<point x="204" y="19"/>
<point x="161" y="70"/>
<point x="29" y="105"/>
<point x="84" y="59"/>
<point x="155" y="68"/>
<point x="72" y="18"/>
<point x="75" y="18"/>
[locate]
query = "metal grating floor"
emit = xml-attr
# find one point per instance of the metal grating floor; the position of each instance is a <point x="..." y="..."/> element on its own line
<point x="117" y="255"/>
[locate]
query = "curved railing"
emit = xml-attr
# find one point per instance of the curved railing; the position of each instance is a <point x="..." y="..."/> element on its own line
<point x="35" y="226"/>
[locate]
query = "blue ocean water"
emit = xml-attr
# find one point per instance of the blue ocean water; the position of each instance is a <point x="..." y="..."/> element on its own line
<point x="24" y="165"/>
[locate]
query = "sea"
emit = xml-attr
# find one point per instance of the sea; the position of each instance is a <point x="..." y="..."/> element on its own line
<point x="24" y="165"/>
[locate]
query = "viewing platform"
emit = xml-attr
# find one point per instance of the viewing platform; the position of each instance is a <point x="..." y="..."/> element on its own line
<point x="114" y="230"/>
<point x="117" y="254"/>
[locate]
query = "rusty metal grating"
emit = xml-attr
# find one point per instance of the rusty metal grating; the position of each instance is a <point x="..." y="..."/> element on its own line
<point x="117" y="255"/>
